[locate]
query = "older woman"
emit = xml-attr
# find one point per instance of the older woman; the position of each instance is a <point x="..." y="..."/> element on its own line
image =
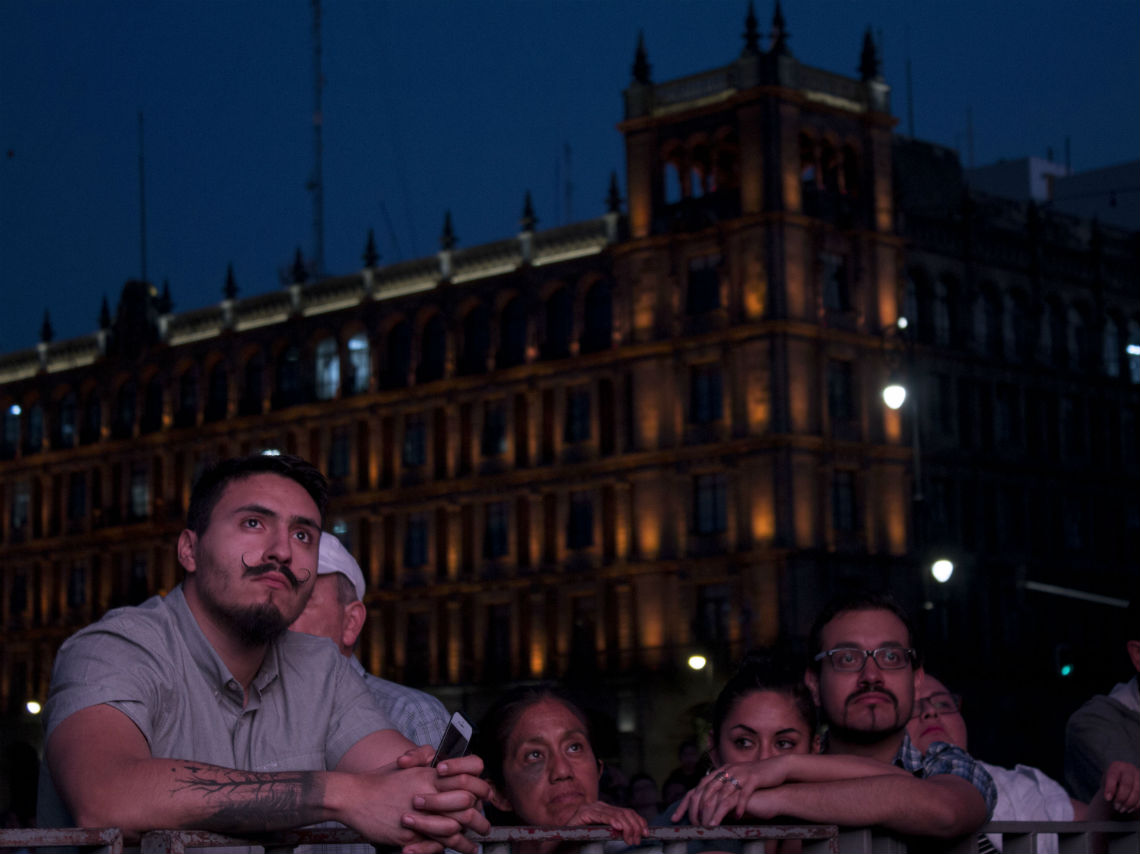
<point x="537" y="754"/>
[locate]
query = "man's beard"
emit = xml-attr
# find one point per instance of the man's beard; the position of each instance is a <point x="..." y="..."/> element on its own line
<point x="885" y="720"/>
<point x="252" y="625"/>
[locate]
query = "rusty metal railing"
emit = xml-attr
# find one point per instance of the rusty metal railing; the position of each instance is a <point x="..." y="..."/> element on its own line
<point x="1020" y="837"/>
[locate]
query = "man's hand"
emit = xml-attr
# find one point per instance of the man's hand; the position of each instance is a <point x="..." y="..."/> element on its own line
<point x="1122" y="787"/>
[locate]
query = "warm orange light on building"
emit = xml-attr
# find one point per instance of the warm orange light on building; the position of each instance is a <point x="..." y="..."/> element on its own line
<point x="892" y="424"/>
<point x="763" y="514"/>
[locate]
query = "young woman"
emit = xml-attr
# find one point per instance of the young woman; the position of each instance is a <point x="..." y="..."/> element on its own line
<point x="537" y="754"/>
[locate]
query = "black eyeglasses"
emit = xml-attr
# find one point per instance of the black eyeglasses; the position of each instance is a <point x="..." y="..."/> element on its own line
<point x="850" y="660"/>
<point x="942" y="703"/>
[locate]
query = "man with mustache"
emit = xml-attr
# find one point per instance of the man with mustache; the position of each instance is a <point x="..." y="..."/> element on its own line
<point x="199" y="710"/>
<point x="863" y="675"/>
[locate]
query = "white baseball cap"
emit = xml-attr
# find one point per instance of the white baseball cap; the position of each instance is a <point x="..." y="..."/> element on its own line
<point x="333" y="557"/>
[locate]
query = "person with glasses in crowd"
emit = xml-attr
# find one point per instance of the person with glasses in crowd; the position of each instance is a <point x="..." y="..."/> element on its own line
<point x="864" y="675"/>
<point x="1024" y="793"/>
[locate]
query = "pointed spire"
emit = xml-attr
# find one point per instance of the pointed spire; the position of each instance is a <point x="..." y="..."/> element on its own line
<point x="46" y="332"/>
<point x="105" y="314"/>
<point x="641" y="67"/>
<point x="613" y="197"/>
<point x="371" y="257"/>
<point x="779" y="33"/>
<point x="751" y="33"/>
<point x="298" y="273"/>
<point x="230" y="291"/>
<point x="165" y="302"/>
<point x="869" y="66"/>
<point x="447" y="238"/>
<point x="529" y="220"/>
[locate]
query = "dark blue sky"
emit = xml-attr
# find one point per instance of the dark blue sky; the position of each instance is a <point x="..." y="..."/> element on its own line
<point x="430" y="105"/>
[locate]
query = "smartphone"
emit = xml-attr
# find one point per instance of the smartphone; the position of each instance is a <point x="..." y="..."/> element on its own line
<point x="456" y="739"/>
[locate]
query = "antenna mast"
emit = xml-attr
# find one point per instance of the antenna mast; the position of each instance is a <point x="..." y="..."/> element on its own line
<point x="316" y="183"/>
<point x="142" y="205"/>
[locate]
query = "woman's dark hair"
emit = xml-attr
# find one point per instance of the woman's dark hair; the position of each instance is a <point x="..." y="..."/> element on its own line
<point x="495" y="728"/>
<point x="761" y="671"/>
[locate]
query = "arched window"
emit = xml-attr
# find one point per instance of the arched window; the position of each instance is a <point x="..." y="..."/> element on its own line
<point x="287" y="389"/>
<point x="253" y="392"/>
<point x="218" y="393"/>
<point x="11" y="438"/>
<point x="327" y="369"/>
<point x="433" y="350"/>
<point x="673" y="190"/>
<point x="34" y="441"/>
<point x="92" y="419"/>
<point x="152" y="406"/>
<point x="940" y="315"/>
<point x="65" y="429"/>
<point x="359" y="365"/>
<point x="476" y="341"/>
<point x="829" y="163"/>
<point x="809" y="168"/>
<point x="598" y="320"/>
<point x="187" y="412"/>
<point x="512" y="334"/>
<point x="850" y="171"/>
<point x="123" y="424"/>
<point x="556" y="342"/>
<point x="397" y="356"/>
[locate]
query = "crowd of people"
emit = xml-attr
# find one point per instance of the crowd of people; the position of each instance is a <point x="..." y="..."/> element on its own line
<point x="208" y="713"/>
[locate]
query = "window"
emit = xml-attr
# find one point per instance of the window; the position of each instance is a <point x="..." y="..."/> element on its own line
<point x="1132" y="351"/>
<point x="840" y="390"/>
<point x="417" y="662"/>
<point x="124" y="423"/>
<point x="709" y="504"/>
<point x="495" y="530"/>
<point x="706" y="399"/>
<point x="218" y="393"/>
<point x="152" y="406"/>
<point x="843" y="502"/>
<point x="340" y="444"/>
<point x="712" y="620"/>
<point x="34" y="443"/>
<point x="252" y="389"/>
<point x="415" y="441"/>
<point x="497" y="642"/>
<point x="512" y="334"/>
<point x="140" y="492"/>
<point x="940" y="316"/>
<point x="476" y="341"/>
<point x="583" y="635"/>
<point x="289" y="378"/>
<point x="702" y="292"/>
<point x="834" y="281"/>
<point x="76" y="496"/>
<point x="416" y="541"/>
<point x="556" y="341"/>
<point x="433" y="351"/>
<point x="577" y="426"/>
<point x="11" y="430"/>
<point x="328" y="369"/>
<point x="92" y="420"/>
<point x="77" y="587"/>
<point x="66" y="422"/>
<point x="187" y="410"/>
<point x="494" y="439"/>
<point x="597" y="333"/>
<point x="1111" y="348"/>
<point x="580" y="523"/>
<point x="138" y="587"/>
<point x="398" y="357"/>
<point x="359" y="365"/>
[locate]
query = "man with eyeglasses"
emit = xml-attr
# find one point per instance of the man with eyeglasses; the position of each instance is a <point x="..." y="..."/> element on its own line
<point x="1024" y="793"/>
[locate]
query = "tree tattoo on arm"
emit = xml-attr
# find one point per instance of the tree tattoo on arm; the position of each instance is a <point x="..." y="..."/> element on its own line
<point x="252" y="801"/>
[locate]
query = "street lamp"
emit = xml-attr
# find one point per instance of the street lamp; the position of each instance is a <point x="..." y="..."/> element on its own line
<point x="697" y="661"/>
<point x="942" y="569"/>
<point x="894" y="395"/>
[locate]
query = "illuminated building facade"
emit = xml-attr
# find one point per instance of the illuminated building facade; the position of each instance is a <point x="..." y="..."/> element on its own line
<point x="582" y="452"/>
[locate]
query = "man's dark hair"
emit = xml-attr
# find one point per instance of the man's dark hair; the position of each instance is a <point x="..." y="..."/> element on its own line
<point x="862" y="601"/>
<point x="214" y="479"/>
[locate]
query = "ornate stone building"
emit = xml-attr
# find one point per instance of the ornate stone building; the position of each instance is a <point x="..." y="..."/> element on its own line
<point x="587" y="452"/>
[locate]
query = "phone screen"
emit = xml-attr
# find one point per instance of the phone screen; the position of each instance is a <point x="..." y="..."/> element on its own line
<point x="455" y="741"/>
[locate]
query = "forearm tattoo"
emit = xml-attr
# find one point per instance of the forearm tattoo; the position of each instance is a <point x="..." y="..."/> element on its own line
<point x="251" y="801"/>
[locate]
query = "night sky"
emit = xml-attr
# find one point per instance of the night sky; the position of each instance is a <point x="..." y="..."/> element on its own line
<point x="430" y="106"/>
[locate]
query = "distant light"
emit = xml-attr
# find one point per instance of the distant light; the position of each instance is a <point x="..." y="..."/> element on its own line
<point x="1132" y="349"/>
<point x="271" y="452"/>
<point x="894" y="395"/>
<point x="33" y="707"/>
<point x="928" y="605"/>
<point x="697" y="662"/>
<point x="903" y="323"/>
<point x="942" y="570"/>
<point x="1066" y="670"/>
<point x="14" y="409"/>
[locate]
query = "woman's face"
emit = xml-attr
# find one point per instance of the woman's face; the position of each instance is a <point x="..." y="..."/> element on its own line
<point x="763" y="724"/>
<point x="549" y="768"/>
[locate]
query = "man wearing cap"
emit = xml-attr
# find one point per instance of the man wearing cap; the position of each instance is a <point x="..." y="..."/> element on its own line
<point x="335" y="611"/>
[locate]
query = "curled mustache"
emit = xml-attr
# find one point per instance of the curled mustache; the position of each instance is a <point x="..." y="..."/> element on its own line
<point x="262" y="568"/>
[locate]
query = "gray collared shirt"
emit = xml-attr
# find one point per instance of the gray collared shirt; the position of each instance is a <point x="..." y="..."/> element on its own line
<point x="420" y="717"/>
<point x="306" y="706"/>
